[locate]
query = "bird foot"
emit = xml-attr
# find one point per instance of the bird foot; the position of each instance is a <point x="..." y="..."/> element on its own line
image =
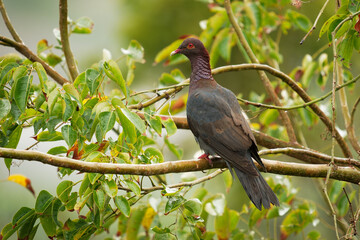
<point x="206" y="156"/>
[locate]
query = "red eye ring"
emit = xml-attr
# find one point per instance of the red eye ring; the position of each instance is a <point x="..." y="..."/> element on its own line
<point x="190" y="46"/>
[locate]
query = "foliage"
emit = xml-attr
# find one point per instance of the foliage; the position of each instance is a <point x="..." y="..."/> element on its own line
<point x="101" y="100"/>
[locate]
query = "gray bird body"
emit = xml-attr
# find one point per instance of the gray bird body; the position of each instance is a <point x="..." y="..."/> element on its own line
<point x="216" y="120"/>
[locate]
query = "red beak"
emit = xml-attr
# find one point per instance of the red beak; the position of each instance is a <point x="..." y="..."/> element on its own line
<point x="175" y="52"/>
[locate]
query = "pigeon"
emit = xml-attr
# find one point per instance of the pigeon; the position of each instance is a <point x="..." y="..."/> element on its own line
<point x="216" y="120"/>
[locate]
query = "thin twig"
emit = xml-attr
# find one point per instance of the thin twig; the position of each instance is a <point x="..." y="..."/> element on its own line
<point x="343" y="101"/>
<point x="265" y="80"/>
<point x="352" y="219"/>
<point x="8" y="24"/>
<point x="181" y="184"/>
<point x="63" y="26"/>
<point x="315" y="23"/>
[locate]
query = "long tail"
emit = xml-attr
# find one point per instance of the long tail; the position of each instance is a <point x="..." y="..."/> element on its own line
<point x="257" y="189"/>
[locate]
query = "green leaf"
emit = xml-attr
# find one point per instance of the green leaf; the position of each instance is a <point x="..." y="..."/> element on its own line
<point x="135" y="119"/>
<point x="7" y="231"/>
<point x="110" y="188"/>
<point x="53" y="59"/>
<point x="92" y="79"/>
<point x="21" y="215"/>
<point x="170" y="126"/>
<point x="173" y="203"/>
<point x="165" y="53"/>
<point x="26" y="229"/>
<point x="123" y="205"/>
<point x="134" y="222"/>
<point x="335" y="190"/>
<point x="69" y="108"/>
<point x="326" y="25"/>
<point x="69" y="134"/>
<point x="55" y="208"/>
<point x="268" y="117"/>
<point x="313" y="235"/>
<point x="113" y="72"/>
<point x="133" y="187"/>
<point x="42" y="76"/>
<point x="299" y="20"/>
<point x="99" y="198"/>
<point x="6" y="72"/>
<point x="346" y="47"/>
<point x="43" y="201"/>
<point x="135" y="51"/>
<point x="194" y="206"/>
<point x="221" y="47"/>
<point x="48" y="223"/>
<point x="85" y="184"/>
<point x="343" y="204"/>
<point x="256" y="216"/>
<point x="222" y="225"/>
<point x="46" y="136"/>
<point x="52" y="98"/>
<point x="155" y="123"/>
<point x="71" y="90"/>
<point x="57" y="150"/>
<point x="167" y="79"/>
<point x="173" y="148"/>
<point x="42" y="46"/>
<point x="14" y="139"/>
<point x="295" y="221"/>
<point x="21" y="92"/>
<point x="63" y="190"/>
<point x="160" y="230"/>
<point x="106" y="121"/>
<point x="127" y="125"/>
<point x="154" y="154"/>
<point x="5" y="107"/>
<point x="83" y="25"/>
<point x="228" y="180"/>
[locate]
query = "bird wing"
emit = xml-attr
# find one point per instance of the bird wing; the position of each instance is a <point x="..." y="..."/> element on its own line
<point x="222" y="127"/>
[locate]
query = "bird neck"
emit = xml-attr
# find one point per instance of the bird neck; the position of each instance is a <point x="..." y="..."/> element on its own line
<point x="200" y="68"/>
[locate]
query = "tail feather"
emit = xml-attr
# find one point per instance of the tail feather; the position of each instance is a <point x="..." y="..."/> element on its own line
<point x="257" y="189"/>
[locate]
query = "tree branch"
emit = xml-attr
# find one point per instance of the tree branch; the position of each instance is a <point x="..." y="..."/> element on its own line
<point x="347" y="174"/>
<point x="63" y="26"/>
<point x="8" y="24"/>
<point x="265" y="80"/>
<point x="24" y="50"/>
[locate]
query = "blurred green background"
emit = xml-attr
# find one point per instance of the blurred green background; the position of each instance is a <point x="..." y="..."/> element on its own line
<point x="155" y="24"/>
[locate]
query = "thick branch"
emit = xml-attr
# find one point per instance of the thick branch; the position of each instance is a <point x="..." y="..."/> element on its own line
<point x="24" y="50"/>
<point x="63" y="26"/>
<point x="267" y="84"/>
<point x="347" y="174"/>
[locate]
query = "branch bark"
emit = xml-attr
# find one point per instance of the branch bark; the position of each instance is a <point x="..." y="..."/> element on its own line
<point x="347" y="174"/>
<point x="63" y="26"/>
<point x="24" y="50"/>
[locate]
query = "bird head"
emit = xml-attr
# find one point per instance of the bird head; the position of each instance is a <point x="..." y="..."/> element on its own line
<point x="191" y="47"/>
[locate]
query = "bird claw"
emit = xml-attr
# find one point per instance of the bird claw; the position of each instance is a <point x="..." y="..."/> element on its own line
<point x="206" y="156"/>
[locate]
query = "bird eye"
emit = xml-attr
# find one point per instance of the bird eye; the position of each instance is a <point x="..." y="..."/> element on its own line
<point x="190" y="46"/>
